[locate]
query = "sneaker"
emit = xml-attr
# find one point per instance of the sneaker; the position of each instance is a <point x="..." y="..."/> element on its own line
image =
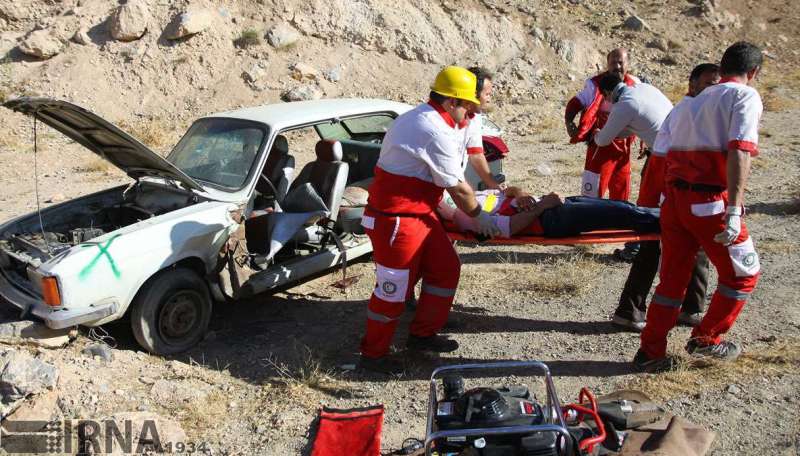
<point x="643" y="363"/>
<point x="690" y="319"/>
<point x="723" y="351"/>
<point x="625" y="323"/>
<point x="382" y="365"/>
<point x="435" y="343"/>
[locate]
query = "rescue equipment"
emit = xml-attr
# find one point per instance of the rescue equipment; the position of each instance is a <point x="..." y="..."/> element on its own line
<point x="591" y="237"/>
<point x="456" y="82"/>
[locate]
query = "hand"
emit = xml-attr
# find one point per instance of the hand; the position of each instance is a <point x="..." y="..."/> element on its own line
<point x="486" y="225"/>
<point x="553" y="199"/>
<point x="572" y="129"/>
<point x="733" y="226"/>
<point x="526" y="203"/>
<point x="502" y="186"/>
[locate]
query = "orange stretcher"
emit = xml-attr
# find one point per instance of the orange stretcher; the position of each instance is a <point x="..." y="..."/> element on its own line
<point x="590" y="237"/>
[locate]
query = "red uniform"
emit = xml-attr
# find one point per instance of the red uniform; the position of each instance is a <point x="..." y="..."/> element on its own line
<point x="607" y="167"/>
<point x="721" y="118"/>
<point x="422" y="154"/>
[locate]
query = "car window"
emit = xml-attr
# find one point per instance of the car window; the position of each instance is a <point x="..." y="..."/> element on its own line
<point x="219" y="151"/>
<point x="368" y="128"/>
<point x="370" y="124"/>
<point x="333" y="131"/>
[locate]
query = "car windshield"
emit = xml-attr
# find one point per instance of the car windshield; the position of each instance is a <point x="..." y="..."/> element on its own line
<point x="219" y="151"/>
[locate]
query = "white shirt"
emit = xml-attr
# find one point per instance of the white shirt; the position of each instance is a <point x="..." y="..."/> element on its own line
<point x="422" y="144"/>
<point x="640" y="110"/>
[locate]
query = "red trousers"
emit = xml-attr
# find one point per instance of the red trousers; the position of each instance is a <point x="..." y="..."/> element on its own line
<point x="608" y="168"/>
<point x="689" y="220"/>
<point x="652" y="185"/>
<point x="406" y="249"/>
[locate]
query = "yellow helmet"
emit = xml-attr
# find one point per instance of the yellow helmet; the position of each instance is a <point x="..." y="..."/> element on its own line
<point x="456" y="82"/>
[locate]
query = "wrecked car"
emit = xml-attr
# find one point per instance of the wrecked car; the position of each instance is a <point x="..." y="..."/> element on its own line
<point x="222" y="217"/>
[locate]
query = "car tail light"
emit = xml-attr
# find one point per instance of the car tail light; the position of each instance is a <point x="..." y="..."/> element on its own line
<point x="50" y="292"/>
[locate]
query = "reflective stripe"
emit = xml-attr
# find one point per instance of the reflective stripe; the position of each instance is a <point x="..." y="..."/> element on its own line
<point x="438" y="291"/>
<point x="395" y="230"/>
<point x="379" y="317"/>
<point x="665" y="301"/>
<point x="708" y="209"/>
<point x="729" y="292"/>
<point x="489" y="203"/>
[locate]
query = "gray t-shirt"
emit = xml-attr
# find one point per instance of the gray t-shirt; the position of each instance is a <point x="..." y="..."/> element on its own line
<point x="640" y="110"/>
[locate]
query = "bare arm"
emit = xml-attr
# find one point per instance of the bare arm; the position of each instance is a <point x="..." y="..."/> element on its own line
<point x="738" y="171"/>
<point x="481" y="167"/>
<point x="464" y="198"/>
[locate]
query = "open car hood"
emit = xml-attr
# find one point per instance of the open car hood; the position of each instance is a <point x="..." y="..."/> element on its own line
<point x="102" y="138"/>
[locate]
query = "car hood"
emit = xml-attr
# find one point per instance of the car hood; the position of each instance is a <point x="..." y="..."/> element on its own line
<point x="102" y="138"/>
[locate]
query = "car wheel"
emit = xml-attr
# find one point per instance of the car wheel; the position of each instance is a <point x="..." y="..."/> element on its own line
<point x="171" y="312"/>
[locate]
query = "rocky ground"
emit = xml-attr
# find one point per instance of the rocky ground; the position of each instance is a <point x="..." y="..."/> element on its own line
<point x="255" y="384"/>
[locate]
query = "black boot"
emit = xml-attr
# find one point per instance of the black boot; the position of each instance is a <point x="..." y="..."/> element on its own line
<point x="435" y="343"/>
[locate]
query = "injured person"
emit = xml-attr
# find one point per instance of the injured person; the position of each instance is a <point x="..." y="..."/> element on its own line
<point x="516" y="212"/>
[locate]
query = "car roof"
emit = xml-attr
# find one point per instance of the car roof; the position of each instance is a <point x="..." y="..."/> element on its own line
<point x="284" y="115"/>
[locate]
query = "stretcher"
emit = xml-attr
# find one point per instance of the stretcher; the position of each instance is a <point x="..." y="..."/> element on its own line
<point x="590" y="237"/>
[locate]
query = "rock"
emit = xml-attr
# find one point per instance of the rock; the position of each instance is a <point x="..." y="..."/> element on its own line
<point x="42" y="407"/>
<point x="148" y="430"/>
<point x="189" y="23"/>
<point x="81" y="37"/>
<point x="253" y="74"/>
<point x="33" y="332"/>
<point x="282" y="35"/>
<point x="635" y="23"/>
<point x="733" y="389"/>
<point x="659" y="43"/>
<point x="22" y="375"/>
<point x="304" y="70"/>
<point x="102" y="350"/>
<point x="129" y="21"/>
<point x="538" y="33"/>
<point x="543" y="169"/>
<point x="146" y="380"/>
<point x="41" y="44"/>
<point x="302" y="93"/>
<point x="332" y="75"/>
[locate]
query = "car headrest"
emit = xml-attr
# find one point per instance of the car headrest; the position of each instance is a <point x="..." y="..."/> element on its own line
<point x="329" y="150"/>
<point x="281" y="145"/>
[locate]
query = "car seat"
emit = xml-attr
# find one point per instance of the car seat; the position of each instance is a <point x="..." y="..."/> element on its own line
<point x="279" y="170"/>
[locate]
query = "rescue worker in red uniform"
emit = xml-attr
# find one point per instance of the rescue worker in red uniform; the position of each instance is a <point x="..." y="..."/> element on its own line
<point x="607" y="167"/>
<point x="711" y="143"/>
<point x="422" y="154"/>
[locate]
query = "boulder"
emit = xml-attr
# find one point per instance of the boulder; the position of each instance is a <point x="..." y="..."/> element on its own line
<point x="332" y="74"/>
<point x="302" y="93"/>
<point x="254" y="73"/>
<point x="304" y="70"/>
<point x="282" y="35"/>
<point x="34" y="333"/>
<point x="22" y="374"/>
<point x="659" y="43"/>
<point x="41" y="44"/>
<point x="42" y="408"/>
<point x="189" y="23"/>
<point x="81" y="37"/>
<point x="635" y="23"/>
<point x="129" y="21"/>
<point x="102" y="350"/>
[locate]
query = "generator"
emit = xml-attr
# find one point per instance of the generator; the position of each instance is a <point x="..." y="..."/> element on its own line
<point x="507" y="420"/>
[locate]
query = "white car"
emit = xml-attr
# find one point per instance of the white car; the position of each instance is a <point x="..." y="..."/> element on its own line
<point x="220" y="218"/>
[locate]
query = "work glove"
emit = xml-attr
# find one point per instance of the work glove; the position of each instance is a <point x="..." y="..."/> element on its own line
<point x="733" y="226"/>
<point x="486" y="225"/>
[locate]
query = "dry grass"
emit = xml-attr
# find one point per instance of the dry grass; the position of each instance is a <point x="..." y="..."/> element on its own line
<point x="199" y="416"/>
<point x="95" y="165"/>
<point x="150" y="133"/>
<point x="779" y="246"/>
<point x="571" y="275"/>
<point x="307" y="371"/>
<point x="694" y="377"/>
<point x="779" y="90"/>
<point x="549" y="129"/>
<point x="676" y="92"/>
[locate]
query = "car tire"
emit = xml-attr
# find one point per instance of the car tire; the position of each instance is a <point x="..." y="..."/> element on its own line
<point x="171" y="312"/>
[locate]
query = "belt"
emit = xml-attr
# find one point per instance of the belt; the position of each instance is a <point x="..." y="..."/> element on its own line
<point x="707" y="188"/>
<point x="396" y="214"/>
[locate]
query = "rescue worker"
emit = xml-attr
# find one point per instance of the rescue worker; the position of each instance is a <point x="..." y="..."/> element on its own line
<point x="422" y="155"/>
<point x="711" y="143"/>
<point x="632" y="308"/>
<point x="475" y="153"/>
<point x="607" y="168"/>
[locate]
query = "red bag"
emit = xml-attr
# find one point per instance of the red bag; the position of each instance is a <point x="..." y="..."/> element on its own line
<point x="353" y="432"/>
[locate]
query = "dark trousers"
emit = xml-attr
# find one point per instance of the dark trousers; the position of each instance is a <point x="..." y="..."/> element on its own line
<point x="579" y="214"/>
<point x="633" y="302"/>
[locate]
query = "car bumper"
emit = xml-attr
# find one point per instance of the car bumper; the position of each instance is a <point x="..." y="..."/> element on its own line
<point x="53" y="318"/>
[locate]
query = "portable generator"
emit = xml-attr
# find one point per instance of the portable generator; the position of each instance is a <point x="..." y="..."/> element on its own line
<point x="508" y="420"/>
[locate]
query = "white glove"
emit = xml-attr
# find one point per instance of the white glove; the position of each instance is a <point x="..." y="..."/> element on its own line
<point x="733" y="226"/>
<point x="486" y="225"/>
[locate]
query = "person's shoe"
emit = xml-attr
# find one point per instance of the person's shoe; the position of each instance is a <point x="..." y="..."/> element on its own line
<point x="435" y="343"/>
<point x="628" y="253"/>
<point x="625" y="323"/>
<point x="690" y="319"/>
<point x="644" y="363"/>
<point x="382" y="365"/>
<point x="723" y="351"/>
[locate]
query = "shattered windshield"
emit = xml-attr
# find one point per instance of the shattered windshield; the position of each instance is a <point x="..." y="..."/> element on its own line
<point x="219" y="151"/>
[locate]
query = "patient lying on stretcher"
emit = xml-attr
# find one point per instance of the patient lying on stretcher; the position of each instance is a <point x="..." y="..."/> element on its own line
<point x="518" y="213"/>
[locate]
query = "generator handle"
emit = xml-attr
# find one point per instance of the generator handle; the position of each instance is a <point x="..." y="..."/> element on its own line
<point x="553" y="415"/>
<point x="527" y="429"/>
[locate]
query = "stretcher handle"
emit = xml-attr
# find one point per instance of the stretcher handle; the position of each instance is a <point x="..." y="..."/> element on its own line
<point x="588" y="443"/>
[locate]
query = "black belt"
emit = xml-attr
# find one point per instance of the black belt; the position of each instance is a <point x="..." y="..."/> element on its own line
<point x="683" y="185"/>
